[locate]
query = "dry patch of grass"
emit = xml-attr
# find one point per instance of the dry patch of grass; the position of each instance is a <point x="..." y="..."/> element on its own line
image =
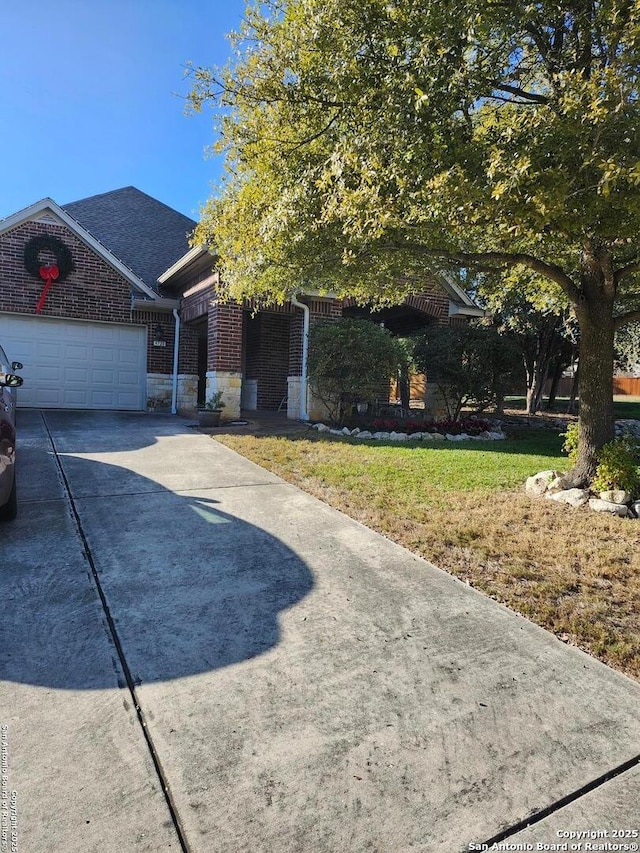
<point x="576" y="573"/>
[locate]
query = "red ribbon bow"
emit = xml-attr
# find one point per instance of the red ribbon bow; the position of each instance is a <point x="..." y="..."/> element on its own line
<point x="48" y="274"/>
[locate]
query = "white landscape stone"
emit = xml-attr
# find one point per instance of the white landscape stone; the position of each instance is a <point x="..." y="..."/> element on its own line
<point x="336" y="432"/>
<point x="616" y="496"/>
<point x="573" y="497"/>
<point x="539" y="483"/>
<point x="606" y="506"/>
<point x="559" y="483"/>
<point x="398" y="436"/>
<point x="355" y="431"/>
<point x="346" y="431"/>
<point x="365" y="434"/>
<point x="381" y="436"/>
<point x="437" y="436"/>
<point x="322" y="428"/>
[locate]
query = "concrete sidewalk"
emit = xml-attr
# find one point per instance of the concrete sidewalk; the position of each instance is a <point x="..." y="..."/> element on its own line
<point x="306" y="684"/>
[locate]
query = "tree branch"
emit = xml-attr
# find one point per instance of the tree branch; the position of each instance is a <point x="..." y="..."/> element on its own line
<point x="504" y="259"/>
<point x="623" y="272"/>
<point x="623" y="319"/>
<point x="520" y="93"/>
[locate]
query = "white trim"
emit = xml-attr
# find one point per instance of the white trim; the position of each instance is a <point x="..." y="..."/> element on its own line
<point x="48" y="203"/>
<point x="158" y="304"/>
<point x="176" y="352"/>
<point x="304" y="414"/>
<point x="182" y="262"/>
<point x="458" y="291"/>
<point x="467" y="310"/>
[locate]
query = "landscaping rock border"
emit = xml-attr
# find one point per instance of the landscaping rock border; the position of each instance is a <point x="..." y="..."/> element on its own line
<point x="554" y="486"/>
<point x="487" y="435"/>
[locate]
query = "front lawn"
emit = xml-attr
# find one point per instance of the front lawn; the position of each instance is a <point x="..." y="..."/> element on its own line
<point x="463" y="507"/>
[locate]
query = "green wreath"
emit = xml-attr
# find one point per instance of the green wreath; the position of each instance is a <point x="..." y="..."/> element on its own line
<point x="32" y="250"/>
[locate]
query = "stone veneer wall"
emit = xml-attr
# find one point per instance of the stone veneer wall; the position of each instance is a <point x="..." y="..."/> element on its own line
<point x="230" y="383"/>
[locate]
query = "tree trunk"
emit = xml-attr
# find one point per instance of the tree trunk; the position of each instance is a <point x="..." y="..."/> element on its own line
<point x="555" y="381"/>
<point x="596" y="420"/>
<point x="536" y="378"/>
<point x="404" y="387"/>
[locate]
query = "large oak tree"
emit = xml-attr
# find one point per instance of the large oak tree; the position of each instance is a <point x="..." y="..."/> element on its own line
<point x="368" y="141"/>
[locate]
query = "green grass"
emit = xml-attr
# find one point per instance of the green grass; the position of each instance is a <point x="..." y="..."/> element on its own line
<point x="465" y="466"/>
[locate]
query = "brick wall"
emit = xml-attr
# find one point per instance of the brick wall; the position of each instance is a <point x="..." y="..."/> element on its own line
<point x="188" y="350"/>
<point x="159" y="359"/>
<point x="224" y="340"/>
<point x="196" y="305"/>
<point x="93" y="291"/>
<point x="267" y="356"/>
<point x="296" y="328"/>
<point x="433" y="302"/>
<point x="323" y="309"/>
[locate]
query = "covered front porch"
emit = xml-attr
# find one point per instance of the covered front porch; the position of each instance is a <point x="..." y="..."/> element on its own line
<point x="253" y="354"/>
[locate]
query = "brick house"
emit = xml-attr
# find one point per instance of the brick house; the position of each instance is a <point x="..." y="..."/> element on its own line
<point x="137" y="322"/>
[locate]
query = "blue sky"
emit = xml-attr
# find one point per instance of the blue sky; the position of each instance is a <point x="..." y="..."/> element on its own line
<point x="88" y="98"/>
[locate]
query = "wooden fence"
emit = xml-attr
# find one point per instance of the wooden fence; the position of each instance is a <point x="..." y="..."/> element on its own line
<point x="627" y="385"/>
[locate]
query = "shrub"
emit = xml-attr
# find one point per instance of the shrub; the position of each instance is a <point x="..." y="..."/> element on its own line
<point x="570" y="445"/>
<point x="617" y="467"/>
<point x="470" y="364"/>
<point x="350" y="361"/>
<point x="470" y="426"/>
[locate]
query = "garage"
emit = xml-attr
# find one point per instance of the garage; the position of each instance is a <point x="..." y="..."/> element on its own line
<point x="72" y="364"/>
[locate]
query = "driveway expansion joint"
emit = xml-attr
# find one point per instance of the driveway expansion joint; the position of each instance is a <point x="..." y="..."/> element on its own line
<point x="130" y="681"/>
<point x="562" y="802"/>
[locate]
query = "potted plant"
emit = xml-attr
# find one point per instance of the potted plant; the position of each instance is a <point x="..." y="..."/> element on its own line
<point x="209" y="416"/>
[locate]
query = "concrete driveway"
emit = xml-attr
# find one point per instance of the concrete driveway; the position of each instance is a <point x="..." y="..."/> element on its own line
<point x="198" y="656"/>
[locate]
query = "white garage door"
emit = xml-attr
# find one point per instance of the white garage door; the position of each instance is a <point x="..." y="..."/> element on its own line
<point x="71" y="364"/>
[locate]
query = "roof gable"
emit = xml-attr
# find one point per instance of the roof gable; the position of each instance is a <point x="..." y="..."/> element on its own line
<point x="147" y="235"/>
<point x="46" y="210"/>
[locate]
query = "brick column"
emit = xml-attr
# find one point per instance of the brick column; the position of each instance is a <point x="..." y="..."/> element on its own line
<point x="224" y="355"/>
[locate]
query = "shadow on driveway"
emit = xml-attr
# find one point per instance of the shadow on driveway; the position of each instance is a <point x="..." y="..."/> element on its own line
<point x="191" y="588"/>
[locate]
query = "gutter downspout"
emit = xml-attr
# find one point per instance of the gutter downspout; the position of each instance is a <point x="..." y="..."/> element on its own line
<point x="174" y="378"/>
<point x="304" y="415"/>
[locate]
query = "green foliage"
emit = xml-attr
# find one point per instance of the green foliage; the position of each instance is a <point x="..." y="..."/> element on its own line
<point x="571" y="440"/>
<point x="369" y="143"/>
<point x="364" y="140"/>
<point x="350" y="361"/>
<point x="617" y="467"/>
<point x="215" y="402"/>
<point x="470" y="364"/>
<point x="627" y="349"/>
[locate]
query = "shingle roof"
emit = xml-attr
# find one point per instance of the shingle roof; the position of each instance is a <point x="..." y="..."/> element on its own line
<point x="145" y="234"/>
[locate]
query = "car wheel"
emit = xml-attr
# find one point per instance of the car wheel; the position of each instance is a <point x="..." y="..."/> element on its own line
<point x="9" y="511"/>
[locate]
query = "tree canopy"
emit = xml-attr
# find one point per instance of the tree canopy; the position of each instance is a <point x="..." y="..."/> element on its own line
<point x="369" y="142"/>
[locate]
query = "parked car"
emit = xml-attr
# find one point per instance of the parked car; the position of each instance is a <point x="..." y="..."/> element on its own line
<point x="8" y="383"/>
